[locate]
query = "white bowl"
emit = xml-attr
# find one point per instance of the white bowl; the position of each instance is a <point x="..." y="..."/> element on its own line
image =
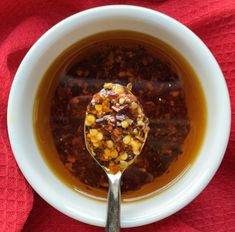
<point x="66" y="33"/>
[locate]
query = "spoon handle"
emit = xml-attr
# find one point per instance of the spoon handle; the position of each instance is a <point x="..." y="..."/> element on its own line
<point x="114" y="200"/>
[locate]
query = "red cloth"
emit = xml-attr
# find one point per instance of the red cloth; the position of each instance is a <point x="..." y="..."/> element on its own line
<point x="22" y="23"/>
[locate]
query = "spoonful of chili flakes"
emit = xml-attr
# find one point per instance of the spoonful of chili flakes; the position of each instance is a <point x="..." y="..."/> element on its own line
<point x="115" y="130"/>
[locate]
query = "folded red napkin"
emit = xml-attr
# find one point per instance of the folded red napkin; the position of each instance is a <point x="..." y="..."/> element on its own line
<point x="22" y="23"/>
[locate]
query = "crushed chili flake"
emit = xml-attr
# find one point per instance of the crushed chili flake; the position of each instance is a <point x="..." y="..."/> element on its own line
<point x="118" y="109"/>
<point x="160" y="92"/>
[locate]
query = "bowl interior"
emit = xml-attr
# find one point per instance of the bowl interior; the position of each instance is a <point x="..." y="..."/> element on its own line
<point x="77" y="27"/>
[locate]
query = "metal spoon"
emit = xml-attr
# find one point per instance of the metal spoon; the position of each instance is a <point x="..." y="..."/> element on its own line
<point x="114" y="193"/>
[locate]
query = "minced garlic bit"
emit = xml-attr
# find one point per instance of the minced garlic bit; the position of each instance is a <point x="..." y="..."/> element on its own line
<point x="124" y="124"/>
<point x="116" y="127"/>
<point x="90" y="119"/>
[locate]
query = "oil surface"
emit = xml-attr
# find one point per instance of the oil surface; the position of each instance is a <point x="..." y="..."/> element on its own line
<point x="194" y="100"/>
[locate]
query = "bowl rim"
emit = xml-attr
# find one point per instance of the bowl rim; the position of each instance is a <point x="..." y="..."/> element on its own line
<point x="191" y="193"/>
